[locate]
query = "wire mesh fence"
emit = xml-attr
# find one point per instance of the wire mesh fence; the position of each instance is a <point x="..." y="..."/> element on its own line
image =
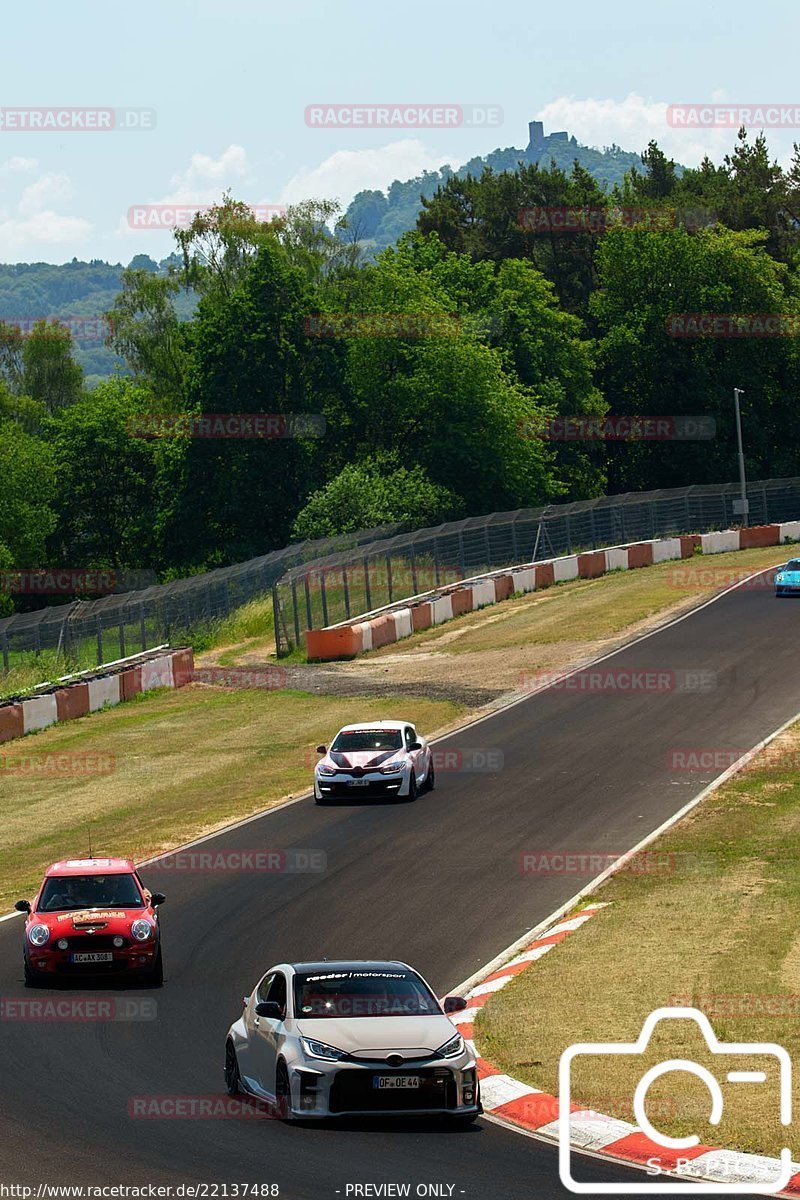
<point x="334" y="579"/>
<point x="88" y="633"/>
<point x="344" y="585"/>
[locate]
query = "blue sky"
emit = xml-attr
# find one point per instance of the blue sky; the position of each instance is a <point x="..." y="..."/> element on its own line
<point x="230" y="81"/>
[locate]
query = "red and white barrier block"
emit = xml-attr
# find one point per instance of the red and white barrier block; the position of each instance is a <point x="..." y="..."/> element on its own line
<point x="531" y="1109"/>
<point x="392" y="623"/>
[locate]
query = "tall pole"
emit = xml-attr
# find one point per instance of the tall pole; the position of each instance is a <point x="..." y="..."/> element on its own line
<point x="737" y="392"/>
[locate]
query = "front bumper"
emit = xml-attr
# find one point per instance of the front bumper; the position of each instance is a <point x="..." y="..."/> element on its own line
<point x="52" y="962"/>
<point x="787" y="589"/>
<point x="349" y="1090"/>
<point x="369" y="786"/>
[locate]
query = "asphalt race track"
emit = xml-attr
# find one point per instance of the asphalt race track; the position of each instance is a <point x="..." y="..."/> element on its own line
<point x="437" y="883"/>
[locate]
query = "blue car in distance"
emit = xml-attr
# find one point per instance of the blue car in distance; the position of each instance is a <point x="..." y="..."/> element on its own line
<point x="787" y="579"/>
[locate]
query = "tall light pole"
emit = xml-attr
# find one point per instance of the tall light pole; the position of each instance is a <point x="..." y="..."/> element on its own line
<point x="742" y="507"/>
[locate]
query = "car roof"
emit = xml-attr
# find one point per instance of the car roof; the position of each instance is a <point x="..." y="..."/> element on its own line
<point x="374" y="725"/>
<point x="347" y="965"/>
<point x="92" y="866"/>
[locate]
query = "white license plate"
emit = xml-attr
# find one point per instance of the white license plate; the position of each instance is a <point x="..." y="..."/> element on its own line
<point x="97" y="957"/>
<point x="395" y="1081"/>
<point x="360" y="782"/>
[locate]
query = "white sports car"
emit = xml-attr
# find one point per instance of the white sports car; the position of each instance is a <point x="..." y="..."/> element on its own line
<point x="384" y="758"/>
<point x="323" y="1039"/>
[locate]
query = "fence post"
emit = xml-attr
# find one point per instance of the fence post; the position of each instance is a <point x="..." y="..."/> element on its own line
<point x="121" y="637"/>
<point x="4" y="644"/>
<point x="414" y="588"/>
<point x="142" y="628"/>
<point x="324" y="598"/>
<point x="568" y="532"/>
<point x="276" y="619"/>
<point x="389" y="576"/>
<point x="367" y="590"/>
<point x="99" y="630"/>
<point x="296" y="613"/>
<point x="346" y="592"/>
<point x="461" y="556"/>
<point x="309" y="618"/>
<point x="514" y="543"/>
<point x="591" y="526"/>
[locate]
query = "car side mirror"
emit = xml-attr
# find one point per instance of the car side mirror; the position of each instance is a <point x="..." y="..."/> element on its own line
<point x="270" y="1008"/>
<point x="454" y="1004"/>
<point x="322" y="749"/>
<point x="415" y="746"/>
<point x="23" y="906"/>
<point x="157" y="898"/>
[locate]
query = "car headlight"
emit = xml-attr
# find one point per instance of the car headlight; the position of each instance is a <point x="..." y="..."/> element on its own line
<point x="38" y="935"/>
<point x="327" y="770"/>
<point x="779" y="579"/>
<point x="392" y="768"/>
<point x="453" y="1048"/>
<point x="141" y="930"/>
<point x="314" y="1049"/>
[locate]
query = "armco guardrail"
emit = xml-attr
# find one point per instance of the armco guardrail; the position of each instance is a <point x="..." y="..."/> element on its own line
<point x="325" y="591"/>
<point x="400" y="620"/>
<point x="65" y="700"/>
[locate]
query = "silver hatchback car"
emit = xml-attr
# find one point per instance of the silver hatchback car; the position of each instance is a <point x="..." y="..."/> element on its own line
<point x="334" y="1039"/>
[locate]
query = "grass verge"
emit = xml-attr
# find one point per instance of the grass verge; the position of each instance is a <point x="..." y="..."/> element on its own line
<point x="172" y="766"/>
<point x="707" y="916"/>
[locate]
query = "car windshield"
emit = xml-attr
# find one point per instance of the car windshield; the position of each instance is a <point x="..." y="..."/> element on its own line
<point x="392" y="992"/>
<point x="793" y="565"/>
<point x="64" y="893"/>
<point x="350" y="740"/>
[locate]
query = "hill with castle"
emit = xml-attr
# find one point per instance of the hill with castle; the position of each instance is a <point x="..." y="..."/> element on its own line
<point x="378" y="218"/>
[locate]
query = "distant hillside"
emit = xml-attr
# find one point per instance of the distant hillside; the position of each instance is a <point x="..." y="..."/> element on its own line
<point x="77" y="293"/>
<point x="380" y="219"/>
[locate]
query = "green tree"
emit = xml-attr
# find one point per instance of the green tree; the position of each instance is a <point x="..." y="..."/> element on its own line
<point x="27" y="495"/>
<point x="367" y="494"/>
<point x="50" y="375"/>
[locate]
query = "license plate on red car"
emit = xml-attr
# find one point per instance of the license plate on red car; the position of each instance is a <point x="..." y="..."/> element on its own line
<point x="381" y="1082"/>
<point x="97" y="956"/>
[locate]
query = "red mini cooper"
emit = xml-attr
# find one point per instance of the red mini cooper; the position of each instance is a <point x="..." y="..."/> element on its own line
<point x="92" y="916"/>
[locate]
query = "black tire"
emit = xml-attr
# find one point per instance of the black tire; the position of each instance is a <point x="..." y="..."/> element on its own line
<point x="430" y="782"/>
<point x="155" y="978"/>
<point x="30" y="979"/>
<point x="283" y="1098"/>
<point x="413" y="790"/>
<point x="232" y="1076"/>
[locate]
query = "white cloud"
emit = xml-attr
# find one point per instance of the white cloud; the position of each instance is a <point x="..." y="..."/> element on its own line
<point x="17" y="164"/>
<point x="46" y="191"/>
<point x="631" y="123"/>
<point x="349" y="171"/>
<point x="209" y="176"/>
<point x="42" y="228"/>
